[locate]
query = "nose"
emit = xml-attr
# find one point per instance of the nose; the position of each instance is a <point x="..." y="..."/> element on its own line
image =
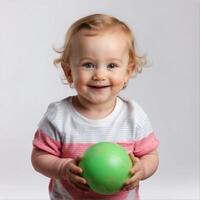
<point x="99" y="74"/>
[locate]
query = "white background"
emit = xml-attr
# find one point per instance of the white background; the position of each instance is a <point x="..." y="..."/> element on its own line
<point x="168" y="31"/>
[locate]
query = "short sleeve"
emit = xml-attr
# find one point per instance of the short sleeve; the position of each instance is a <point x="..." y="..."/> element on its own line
<point x="145" y="138"/>
<point x="47" y="137"/>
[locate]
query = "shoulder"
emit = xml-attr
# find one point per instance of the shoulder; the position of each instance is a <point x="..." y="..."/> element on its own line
<point x="58" y="109"/>
<point x="137" y="114"/>
<point x="134" y="107"/>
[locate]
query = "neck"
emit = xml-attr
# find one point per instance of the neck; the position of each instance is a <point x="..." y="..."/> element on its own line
<point x="93" y="111"/>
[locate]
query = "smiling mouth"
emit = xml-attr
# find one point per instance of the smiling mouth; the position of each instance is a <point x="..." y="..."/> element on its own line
<point x="99" y="86"/>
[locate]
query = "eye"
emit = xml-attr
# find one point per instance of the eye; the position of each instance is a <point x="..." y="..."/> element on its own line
<point x="88" y="65"/>
<point x="112" y="66"/>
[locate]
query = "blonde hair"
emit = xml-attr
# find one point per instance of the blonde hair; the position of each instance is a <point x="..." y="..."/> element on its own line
<point x="99" y="23"/>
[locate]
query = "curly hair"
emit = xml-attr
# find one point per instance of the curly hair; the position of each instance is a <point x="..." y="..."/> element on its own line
<point x="99" y="23"/>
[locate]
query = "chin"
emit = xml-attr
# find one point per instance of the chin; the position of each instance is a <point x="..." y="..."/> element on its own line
<point x="98" y="100"/>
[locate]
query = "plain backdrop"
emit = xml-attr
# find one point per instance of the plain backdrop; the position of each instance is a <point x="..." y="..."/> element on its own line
<point x="168" y="31"/>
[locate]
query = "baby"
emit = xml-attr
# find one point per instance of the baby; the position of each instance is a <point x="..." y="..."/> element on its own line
<point x="98" y="59"/>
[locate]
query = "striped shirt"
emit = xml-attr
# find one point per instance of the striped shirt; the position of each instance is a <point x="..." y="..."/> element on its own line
<point x="65" y="133"/>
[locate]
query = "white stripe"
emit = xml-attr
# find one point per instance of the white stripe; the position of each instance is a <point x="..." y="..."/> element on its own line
<point x="127" y="122"/>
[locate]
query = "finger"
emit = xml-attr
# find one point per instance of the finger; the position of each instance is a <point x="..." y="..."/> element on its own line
<point x="132" y="157"/>
<point x="131" y="186"/>
<point x="134" y="178"/>
<point x="135" y="160"/>
<point x="135" y="168"/>
<point x="137" y="165"/>
<point x="77" y="179"/>
<point x="82" y="186"/>
<point x="132" y="182"/>
<point x="78" y="159"/>
<point x="75" y="169"/>
<point x="79" y="182"/>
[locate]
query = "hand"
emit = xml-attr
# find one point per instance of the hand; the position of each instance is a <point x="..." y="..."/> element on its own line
<point x="73" y="175"/>
<point x="137" y="173"/>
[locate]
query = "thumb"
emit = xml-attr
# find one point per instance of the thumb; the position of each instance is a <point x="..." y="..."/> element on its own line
<point x="132" y="158"/>
<point x="78" y="159"/>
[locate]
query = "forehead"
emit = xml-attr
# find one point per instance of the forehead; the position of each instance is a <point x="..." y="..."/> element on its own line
<point x="112" y="41"/>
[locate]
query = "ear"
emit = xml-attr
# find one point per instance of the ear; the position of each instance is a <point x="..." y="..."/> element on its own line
<point x="68" y="72"/>
<point x="130" y="70"/>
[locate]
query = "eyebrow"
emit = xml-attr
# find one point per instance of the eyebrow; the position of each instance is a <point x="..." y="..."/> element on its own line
<point x="110" y="59"/>
<point x="116" y="59"/>
<point x="86" y="58"/>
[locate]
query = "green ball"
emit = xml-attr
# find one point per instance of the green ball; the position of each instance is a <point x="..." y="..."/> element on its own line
<point x="106" y="167"/>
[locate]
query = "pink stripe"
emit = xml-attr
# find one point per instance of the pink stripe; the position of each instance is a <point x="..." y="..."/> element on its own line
<point x="138" y="148"/>
<point x="45" y="143"/>
<point x="92" y="195"/>
<point x="74" y="150"/>
<point x="145" y="145"/>
<point x="77" y="149"/>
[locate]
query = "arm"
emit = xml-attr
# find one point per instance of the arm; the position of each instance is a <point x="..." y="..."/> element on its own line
<point x="48" y="165"/>
<point x="59" y="168"/>
<point x="150" y="163"/>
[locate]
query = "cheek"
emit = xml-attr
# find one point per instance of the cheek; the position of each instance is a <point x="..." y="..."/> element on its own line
<point x="81" y="77"/>
<point x="118" y="78"/>
<point x="118" y="83"/>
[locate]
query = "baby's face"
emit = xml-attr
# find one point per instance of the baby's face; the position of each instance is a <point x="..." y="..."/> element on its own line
<point x="99" y="65"/>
